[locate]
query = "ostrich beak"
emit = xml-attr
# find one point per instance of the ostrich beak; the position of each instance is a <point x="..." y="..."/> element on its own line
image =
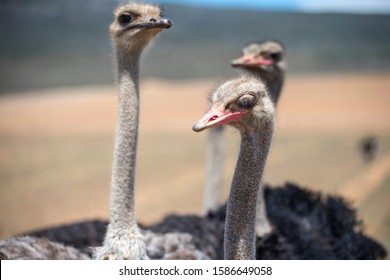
<point x="250" y="61"/>
<point x="217" y="116"/>
<point x="162" y="23"/>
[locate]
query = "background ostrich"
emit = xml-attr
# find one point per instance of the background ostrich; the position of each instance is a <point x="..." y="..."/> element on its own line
<point x="369" y="148"/>
<point x="265" y="60"/>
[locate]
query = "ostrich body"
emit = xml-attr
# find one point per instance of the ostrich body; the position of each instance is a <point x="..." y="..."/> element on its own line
<point x="164" y="245"/>
<point x="308" y="225"/>
<point x="244" y="103"/>
<point x="83" y="235"/>
<point x="134" y="26"/>
<point x="34" y="248"/>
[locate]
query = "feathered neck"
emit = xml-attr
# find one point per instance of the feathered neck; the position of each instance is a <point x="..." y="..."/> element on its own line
<point x="241" y="209"/>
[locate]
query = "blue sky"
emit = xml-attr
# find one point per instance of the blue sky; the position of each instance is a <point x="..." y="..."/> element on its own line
<point x="349" y="6"/>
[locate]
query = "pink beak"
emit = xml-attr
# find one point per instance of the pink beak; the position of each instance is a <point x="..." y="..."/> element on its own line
<point x="217" y="116"/>
<point x="249" y="61"/>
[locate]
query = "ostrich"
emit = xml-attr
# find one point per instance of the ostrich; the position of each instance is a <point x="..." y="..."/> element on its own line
<point x="245" y="104"/>
<point x="369" y="148"/>
<point x="134" y="26"/>
<point x="266" y="61"/>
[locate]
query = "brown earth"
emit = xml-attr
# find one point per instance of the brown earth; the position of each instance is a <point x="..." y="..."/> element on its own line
<point x="56" y="149"/>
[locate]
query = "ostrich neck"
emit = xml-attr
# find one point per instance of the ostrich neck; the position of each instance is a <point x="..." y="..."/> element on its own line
<point x="274" y="82"/>
<point x="215" y="157"/>
<point x="242" y="203"/>
<point x="122" y="211"/>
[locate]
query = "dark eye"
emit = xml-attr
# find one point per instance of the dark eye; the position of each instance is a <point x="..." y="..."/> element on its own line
<point x="125" y="19"/>
<point x="275" y="56"/>
<point x="247" y="101"/>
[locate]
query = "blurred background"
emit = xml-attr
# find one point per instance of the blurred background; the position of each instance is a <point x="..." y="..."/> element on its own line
<point x="58" y="105"/>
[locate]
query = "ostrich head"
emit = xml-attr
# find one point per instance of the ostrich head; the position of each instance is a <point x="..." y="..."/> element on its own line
<point x="266" y="57"/>
<point x="135" y="24"/>
<point x="242" y="102"/>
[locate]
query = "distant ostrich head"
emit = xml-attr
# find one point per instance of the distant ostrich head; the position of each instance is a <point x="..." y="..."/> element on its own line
<point x="243" y="103"/>
<point x="135" y="24"/>
<point x="267" y="57"/>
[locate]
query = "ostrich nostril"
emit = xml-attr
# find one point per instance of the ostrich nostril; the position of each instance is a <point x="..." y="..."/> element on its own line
<point x="153" y="20"/>
<point x="168" y="21"/>
<point x="213" y="118"/>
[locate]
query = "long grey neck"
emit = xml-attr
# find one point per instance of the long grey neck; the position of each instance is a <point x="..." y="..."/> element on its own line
<point x="274" y="82"/>
<point x="215" y="157"/>
<point x="122" y="211"/>
<point x="241" y="209"/>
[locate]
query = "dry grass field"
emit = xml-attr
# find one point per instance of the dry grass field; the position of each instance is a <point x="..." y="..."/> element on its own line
<point x="56" y="149"/>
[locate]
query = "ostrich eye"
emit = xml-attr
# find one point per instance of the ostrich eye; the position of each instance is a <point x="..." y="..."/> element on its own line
<point x="125" y="19"/>
<point x="275" y="56"/>
<point x="247" y="101"/>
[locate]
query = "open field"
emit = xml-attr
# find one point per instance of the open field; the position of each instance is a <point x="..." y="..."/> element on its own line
<point x="56" y="149"/>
